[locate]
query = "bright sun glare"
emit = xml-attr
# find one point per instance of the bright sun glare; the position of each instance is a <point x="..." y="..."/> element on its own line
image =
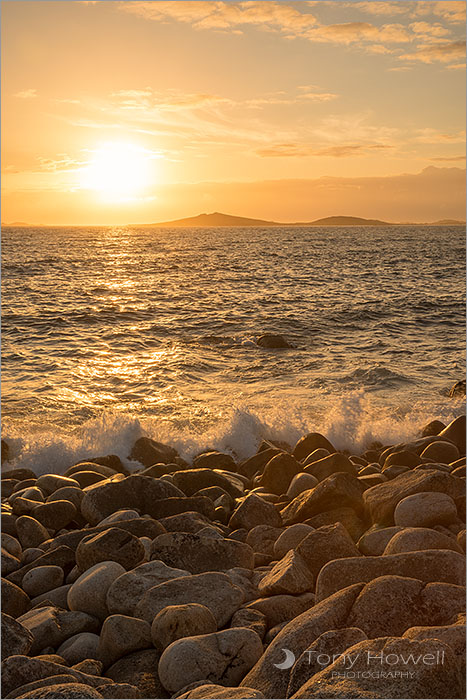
<point x="118" y="170"/>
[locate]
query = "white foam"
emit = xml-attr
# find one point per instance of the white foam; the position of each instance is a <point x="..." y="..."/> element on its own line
<point x="351" y="421"/>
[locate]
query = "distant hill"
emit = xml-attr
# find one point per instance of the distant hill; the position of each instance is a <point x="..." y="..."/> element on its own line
<point x="218" y="219"/>
<point x="23" y="224"/>
<point x="448" y="222"/>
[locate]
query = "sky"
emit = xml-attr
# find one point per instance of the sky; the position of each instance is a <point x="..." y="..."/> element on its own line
<point x="135" y="112"/>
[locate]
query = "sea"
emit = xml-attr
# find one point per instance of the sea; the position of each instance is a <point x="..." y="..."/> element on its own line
<point x="110" y="333"/>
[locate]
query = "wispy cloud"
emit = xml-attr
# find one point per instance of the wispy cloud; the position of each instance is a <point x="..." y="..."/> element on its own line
<point x="291" y="150"/>
<point x="451" y="159"/>
<point x="444" y="53"/>
<point x="28" y="94"/>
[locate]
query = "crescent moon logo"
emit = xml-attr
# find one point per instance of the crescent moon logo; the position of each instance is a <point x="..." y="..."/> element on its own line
<point x="288" y="661"/>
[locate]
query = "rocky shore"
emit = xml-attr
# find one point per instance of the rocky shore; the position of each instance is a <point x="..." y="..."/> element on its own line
<point x="301" y="572"/>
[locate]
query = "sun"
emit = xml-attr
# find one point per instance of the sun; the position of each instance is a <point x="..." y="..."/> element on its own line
<point x="118" y="170"/>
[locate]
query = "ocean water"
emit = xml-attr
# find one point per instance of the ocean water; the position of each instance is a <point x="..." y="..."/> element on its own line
<point x="110" y="333"/>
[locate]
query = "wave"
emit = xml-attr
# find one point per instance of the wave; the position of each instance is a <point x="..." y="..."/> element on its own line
<point x="351" y="422"/>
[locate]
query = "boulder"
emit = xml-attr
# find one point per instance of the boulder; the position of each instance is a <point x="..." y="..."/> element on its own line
<point x="51" y="626"/>
<point x="389" y="605"/>
<point x="179" y="621"/>
<point x="250" y="618"/>
<point x="30" y="531"/>
<point x="354" y="525"/>
<point x="413" y="539"/>
<point x="444" y="452"/>
<point x="290" y="538"/>
<point x="289" y="576"/>
<point x="425" y="509"/>
<point x="89" y="592"/>
<point x="110" y="545"/>
<point x="381" y="500"/>
<point x="49" y="483"/>
<point x="222" y="657"/>
<point x="455" y="432"/>
<point x="62" y="690"/>
<point x="271" y="341"/>
<point x="325" y="544"/>
<point x="279" y="472"/>
<point x="14" y="600"/>
<point x="457" y="389"/>
<point x="139" y="669"/>
<point x="301" y="482"/>
<point x="296" y="636"/>
<point x="337" y="490"/>
<point x="141" y="493"/>
<point x="198" y="554"/>
<point x="331" y="464"/>
<point x="307" y="444"/>
<point x="373" y="542"/>
<point x="148" y="452"/>
<point x="185" y="522"/>
<point x="427" y="566"/>
<point x="42" y="579"/>
<point x="262" y="538"/>
<point x="192" y="480"/>
<point x="409" y="666"/>
<point x="432" y="428"/>
<point x="127" y="590"/>
<point x="54" y="515"/>
<point x="16" y="639"/>
<point x="252" y="511"/>
<point x="121" y="635"/>
<point x="257" y="462"/>
<point x="213" y="589"/>
<point x="278" y="609"/>
<point x="79" y="647"/>
<point x="18" y="670"/>
<point x="63" y="557"/>
<point x="322" y="652"/>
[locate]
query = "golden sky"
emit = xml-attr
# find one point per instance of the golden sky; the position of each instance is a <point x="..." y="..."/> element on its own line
<point x="131" y="112"/>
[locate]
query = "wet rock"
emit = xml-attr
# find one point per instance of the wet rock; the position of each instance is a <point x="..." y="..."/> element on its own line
<point x="89" y="592"/>
<point x="413" y="539"/>
<point x="325" y="544"/>
<point x="425" y="509"/>
<point x="455" y="432"/>
<point x="322" y="468"/>
<point x="290" y="538"/>
<point x="271" y="341"/>
<point x="321" y="653"/>
<point x="5" y="451"/>
<point x="289" y="576"/>
<point x="214" y="460"/>
<point x="16" y="639"/>
<point x="141" y="493"/>
<point x="428" y="565"/>
<point x="223" y="657"/>
<point x="121" y="635"/>
<point x="68" y="493"/>
<point x="179" y="621"/>
<point x="197" y="554"/>
<point x="213" y="589"/>
<point x="149" y="452"/>
<point x="48" y="483"/>
<point x="307" y="444"/>
<point x="338" y="490"/>
<point x="432" y="428"/>
<point x="139" y="669"/>
<point x="127" y="590"/>
<point x="457" y="389"/>
<point x="79" y="647"/>
<point x="110" y="545"/>
<point x="444" y="452"/>
<point x="257" y="462"/>
<point x="55" y="514"/>
<point x="192" y="480"/>
<point x="404" y="458"/>
<point x="42" y="579"/>
<point x="425" y="680"/>
<point x="252" y="511"/>
<point x="380" y="501"/>
<point x="279" y="472"/>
